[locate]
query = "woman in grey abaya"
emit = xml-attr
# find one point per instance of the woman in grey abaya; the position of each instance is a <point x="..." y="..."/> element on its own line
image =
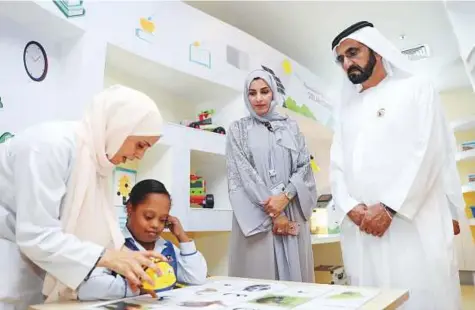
<point x="271" y="188"/>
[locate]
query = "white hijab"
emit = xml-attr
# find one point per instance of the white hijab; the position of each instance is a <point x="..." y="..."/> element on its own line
<point x="115" y="113"/>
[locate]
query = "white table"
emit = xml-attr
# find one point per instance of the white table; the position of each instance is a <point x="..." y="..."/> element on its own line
<point x="385" y="300"/>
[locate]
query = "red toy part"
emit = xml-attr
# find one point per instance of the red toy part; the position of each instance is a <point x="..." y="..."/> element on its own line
<point x="203" y="115"/>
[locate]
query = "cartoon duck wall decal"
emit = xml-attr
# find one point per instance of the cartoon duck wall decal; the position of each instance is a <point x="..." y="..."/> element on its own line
<point x="147" y="28"/>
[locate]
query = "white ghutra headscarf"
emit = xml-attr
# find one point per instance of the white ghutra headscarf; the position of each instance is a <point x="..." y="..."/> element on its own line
<point x="396" y="65"/>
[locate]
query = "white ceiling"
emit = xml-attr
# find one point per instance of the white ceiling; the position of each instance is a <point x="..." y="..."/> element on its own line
<point x="303" y="30"/>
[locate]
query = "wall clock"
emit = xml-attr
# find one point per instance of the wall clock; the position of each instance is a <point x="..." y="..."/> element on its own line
<point x="35" y="61"/>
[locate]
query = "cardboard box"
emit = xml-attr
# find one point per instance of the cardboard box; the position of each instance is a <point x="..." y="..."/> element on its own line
<point x="329" y="274"/>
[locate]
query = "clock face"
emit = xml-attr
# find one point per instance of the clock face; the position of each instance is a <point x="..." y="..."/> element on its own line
<point x="35" y="61"/>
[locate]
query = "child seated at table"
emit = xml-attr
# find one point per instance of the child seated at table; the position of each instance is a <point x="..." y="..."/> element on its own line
<point x="147" y="216"/>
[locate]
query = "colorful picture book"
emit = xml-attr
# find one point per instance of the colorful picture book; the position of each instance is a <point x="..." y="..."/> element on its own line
<point x="235" y="294"/>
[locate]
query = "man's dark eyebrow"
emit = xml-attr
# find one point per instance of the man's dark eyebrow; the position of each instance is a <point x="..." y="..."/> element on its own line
<point x="351" y="48"/>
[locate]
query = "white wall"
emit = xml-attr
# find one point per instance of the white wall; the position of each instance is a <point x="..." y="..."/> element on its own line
<point x="462" y="17"/>
<point x="75" y="73"/>
<point x="20" y="95"/>
<point x="173" y="108"/>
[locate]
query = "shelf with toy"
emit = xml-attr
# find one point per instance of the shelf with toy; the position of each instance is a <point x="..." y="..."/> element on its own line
<point x="208" y="177"/>
<point x="468" y="155"/>
<point x="182" y="95"/>
<point x="193" y="139"/>
<point x="203" y="135"/>
<point x="178" y="95"/>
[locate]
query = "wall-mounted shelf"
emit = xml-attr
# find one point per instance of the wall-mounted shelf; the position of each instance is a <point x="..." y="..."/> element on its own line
<point x="468" y="188"/>
<point x="35" y="18"/>
<point x="465" y="156"/>
<point x="463" y="124"/>
<point x="184" y="71"/>
<point x="321" y="239"/>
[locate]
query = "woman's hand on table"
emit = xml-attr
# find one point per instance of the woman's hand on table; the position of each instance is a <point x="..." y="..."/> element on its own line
<point x="131" y="265"/>
<point x="274" y="205"/>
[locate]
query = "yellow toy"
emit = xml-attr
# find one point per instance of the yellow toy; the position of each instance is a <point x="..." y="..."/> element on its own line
<point x="164" y="282"/>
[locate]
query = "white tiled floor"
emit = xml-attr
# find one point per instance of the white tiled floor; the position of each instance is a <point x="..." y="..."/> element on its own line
<point x="468" y="297"/>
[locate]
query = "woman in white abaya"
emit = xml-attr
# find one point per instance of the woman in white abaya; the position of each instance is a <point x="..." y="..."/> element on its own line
<point x="56" y="212"/>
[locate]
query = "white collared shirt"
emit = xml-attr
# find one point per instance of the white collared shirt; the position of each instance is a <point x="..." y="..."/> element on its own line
<point x="103" y="284"/>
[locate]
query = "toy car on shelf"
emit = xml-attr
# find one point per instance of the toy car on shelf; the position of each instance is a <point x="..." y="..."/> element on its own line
<point x="198" y="196"/>
<point x="205" y="122"/>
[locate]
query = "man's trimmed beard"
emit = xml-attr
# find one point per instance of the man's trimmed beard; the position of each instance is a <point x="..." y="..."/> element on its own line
<point x="358" y="75"/>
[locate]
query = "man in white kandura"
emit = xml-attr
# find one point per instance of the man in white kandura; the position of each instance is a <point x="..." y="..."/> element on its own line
<point x="393" y="174"/>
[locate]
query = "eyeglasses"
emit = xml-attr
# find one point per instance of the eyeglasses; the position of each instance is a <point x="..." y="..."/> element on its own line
<point x="351" y="54"/>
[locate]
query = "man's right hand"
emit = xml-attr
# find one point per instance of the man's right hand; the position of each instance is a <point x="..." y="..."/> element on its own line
<point x="357" y="214"/>
<point x="131" y="264"/>
<point x="280" y="225"/>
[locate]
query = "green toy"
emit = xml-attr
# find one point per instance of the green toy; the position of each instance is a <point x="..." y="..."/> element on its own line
<point x="198" y="194"/>
<point x="205" y="122"/>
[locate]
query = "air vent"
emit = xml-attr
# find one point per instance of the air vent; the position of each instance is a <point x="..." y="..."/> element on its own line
<point x="417" y="53"/>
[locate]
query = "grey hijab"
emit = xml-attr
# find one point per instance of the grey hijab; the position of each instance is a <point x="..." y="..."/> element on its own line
<point x="282" y="131"/>
<point x="277" y="99"/>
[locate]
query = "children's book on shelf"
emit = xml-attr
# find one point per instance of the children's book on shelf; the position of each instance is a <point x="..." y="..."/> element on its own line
<point x="236" y="294"/>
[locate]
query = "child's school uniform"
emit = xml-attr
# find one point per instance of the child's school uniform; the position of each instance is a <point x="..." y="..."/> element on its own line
<point x="188" y="264"/>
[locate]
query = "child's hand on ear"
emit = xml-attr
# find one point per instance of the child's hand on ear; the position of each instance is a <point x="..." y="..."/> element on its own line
<point x="177" y="230"/>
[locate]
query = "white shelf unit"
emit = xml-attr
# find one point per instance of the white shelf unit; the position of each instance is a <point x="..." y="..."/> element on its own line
<point x="182" y="150"/>
<point x="468" y="188"/>
<point x="463" y="124"/>
<point x="465" y="156"/>
<point x="324" y="239"/>
<point x="84" y="58"/>
<point x="38" y="20"/>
